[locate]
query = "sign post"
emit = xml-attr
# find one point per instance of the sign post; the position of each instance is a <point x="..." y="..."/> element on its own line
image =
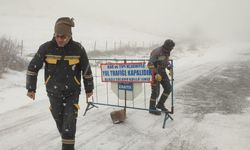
<point x="125" y="75"/>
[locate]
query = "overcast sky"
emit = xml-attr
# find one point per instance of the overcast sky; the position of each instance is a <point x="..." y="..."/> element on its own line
<point x="216" y="18"/>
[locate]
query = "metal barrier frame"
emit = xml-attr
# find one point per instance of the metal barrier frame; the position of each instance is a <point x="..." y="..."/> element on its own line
<point x="92" y="104"/>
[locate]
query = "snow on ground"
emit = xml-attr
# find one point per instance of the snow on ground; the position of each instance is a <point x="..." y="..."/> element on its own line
<point x="218" y="99"/>
<point x="232" y="131"/>
<point x="211" y="87"/>
<point x="211" y="111"/>
<point x="13" y="92"/>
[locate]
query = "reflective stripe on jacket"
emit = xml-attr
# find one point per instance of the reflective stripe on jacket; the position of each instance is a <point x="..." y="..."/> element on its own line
<point x="64" y="67"/>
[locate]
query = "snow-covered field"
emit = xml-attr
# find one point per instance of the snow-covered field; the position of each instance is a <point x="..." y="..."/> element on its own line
<point x="212" y="97"/>
<point x="211" y="111"/>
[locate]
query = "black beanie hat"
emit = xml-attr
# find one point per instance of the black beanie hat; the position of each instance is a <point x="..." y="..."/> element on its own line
<point x="168" y="44"/>
<point x="63" y="26"/>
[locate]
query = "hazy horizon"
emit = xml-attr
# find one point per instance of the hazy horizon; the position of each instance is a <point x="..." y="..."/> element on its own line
<point x="139" y="19"/>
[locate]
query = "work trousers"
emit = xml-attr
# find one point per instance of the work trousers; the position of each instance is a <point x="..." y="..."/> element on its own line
<point x="64" y="110"/>
<point x="155" y="90"/>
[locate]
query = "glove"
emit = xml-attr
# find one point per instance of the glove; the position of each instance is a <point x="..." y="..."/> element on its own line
<point x="170" y="66"/>
<point x="158" y="77"/>
<point x="151" y="65"/>
<point x="89" y="93"/>
<point x="31" y="94"/>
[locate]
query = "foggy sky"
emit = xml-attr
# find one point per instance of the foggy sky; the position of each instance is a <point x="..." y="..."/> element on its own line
<point x="218" y="18"/>
<point x="214" y="18"/>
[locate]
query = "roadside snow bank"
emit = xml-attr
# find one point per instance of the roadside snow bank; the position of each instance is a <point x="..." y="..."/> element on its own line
<point x="13" y="91"/>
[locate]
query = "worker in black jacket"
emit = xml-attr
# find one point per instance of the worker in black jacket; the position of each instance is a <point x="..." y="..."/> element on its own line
<point x="65" y="62"/>
<point x="159" y="62"/>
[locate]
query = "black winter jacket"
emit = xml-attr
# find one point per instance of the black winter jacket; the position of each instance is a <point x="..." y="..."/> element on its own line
<point x="160" y="59"/>
<point x="63" y="68"/>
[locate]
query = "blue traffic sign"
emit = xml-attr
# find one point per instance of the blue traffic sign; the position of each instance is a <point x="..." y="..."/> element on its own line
<point x="125" y="86"/>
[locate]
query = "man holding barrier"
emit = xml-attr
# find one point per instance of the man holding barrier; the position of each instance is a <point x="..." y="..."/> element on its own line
<point x="159" y="61"/>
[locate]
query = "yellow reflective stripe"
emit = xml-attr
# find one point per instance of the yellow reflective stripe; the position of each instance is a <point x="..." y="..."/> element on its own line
<point x="77" y="80"/>
<point x="73" y="61"/>
<point x="68" y="141"/>
<point x="53" y="56"/>
<point x="47" y="80"/>
<point x="88" y="76"/>
<point x="152" y="99"/>
<point x="77" y="106"/>
<point x="52" y="59"/>
<point x="31" y="73"/>
<point x="165" y="94"/>
<point x="71" y="57"/>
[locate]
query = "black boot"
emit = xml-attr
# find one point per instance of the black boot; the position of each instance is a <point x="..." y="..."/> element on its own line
<point x="152" y="108"/>
<point x="162" y="107"/>
<point x="161" y="102"/>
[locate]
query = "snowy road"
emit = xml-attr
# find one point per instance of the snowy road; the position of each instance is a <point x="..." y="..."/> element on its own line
<point x="211" y="113"/>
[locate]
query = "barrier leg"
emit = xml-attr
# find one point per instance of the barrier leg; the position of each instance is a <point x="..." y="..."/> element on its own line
<point x="89" y="106"/>
<point x="167" y="115"/>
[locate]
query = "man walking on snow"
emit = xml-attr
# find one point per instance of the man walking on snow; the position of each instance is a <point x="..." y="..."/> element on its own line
<point x="159" y="61"/>
<point x="65" y="61"/>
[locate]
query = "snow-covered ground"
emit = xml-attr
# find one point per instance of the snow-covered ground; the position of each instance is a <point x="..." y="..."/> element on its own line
<point x="212" y="98"/>
<point x="211" y="111"/>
